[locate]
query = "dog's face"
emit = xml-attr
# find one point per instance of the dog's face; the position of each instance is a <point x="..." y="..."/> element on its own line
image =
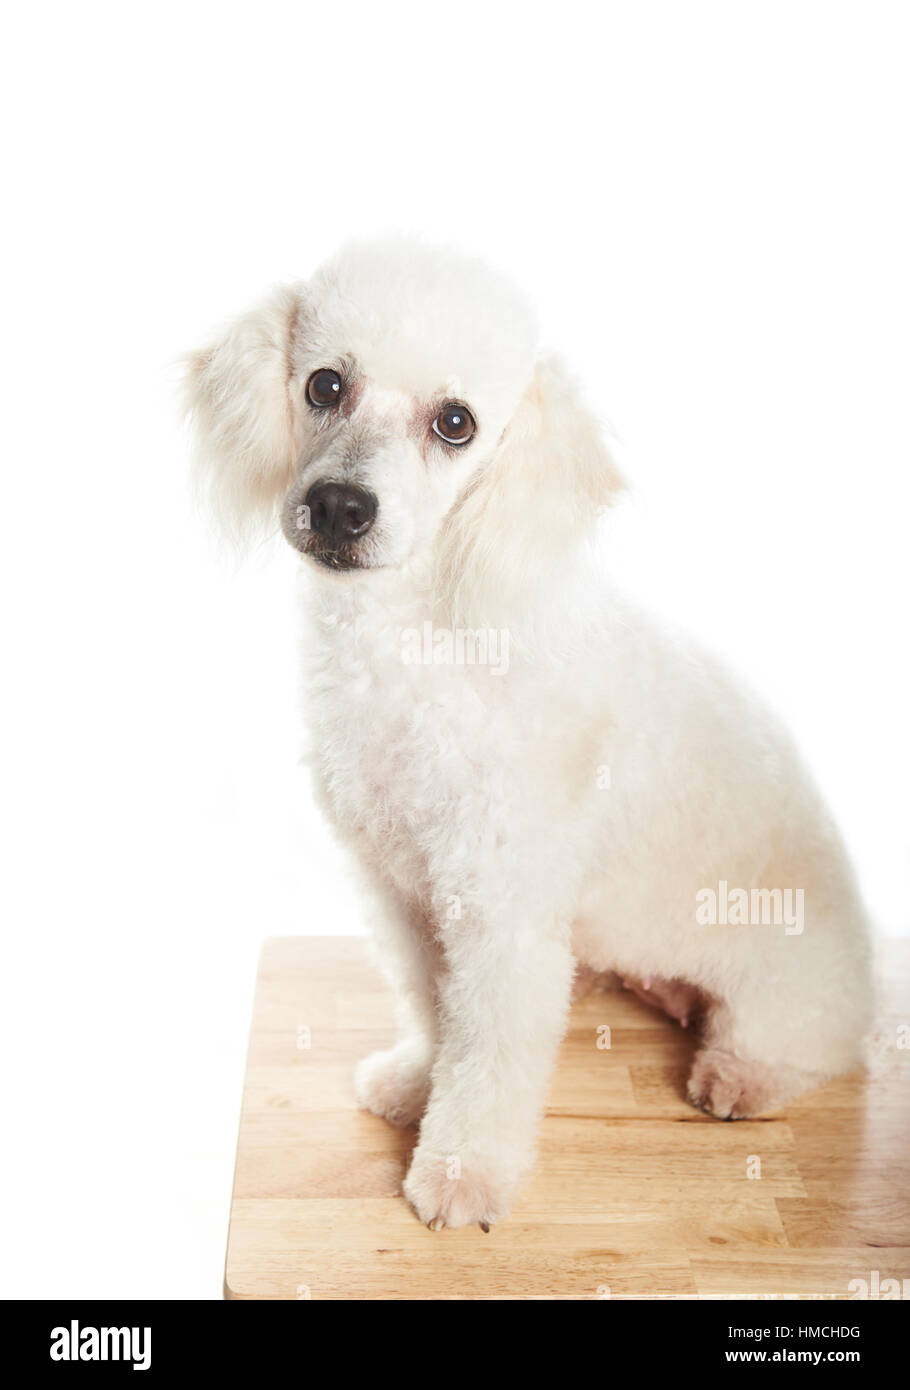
<point x="393" y="407"/>
<point x="378" y="471"/>
<point x="403" y="377"/>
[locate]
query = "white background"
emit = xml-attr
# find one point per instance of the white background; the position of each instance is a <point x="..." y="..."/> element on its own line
<point x="708" y="203"/>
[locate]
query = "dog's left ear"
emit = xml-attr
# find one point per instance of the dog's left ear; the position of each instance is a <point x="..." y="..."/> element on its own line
<point x="539" y="496"/>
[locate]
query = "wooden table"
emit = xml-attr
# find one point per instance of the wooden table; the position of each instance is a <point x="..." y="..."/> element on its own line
<point x="634" y="1195"/>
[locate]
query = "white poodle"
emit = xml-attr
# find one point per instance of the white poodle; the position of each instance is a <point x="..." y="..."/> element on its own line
<point x="533" y="774"/>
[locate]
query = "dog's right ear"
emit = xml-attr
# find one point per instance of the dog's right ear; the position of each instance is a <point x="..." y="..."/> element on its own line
<point x="238" y="398"/>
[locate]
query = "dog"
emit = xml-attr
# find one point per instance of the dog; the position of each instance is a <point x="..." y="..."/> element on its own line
<point x="602" y="797"/>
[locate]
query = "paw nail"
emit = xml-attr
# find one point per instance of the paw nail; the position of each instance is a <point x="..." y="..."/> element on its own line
<point x="436" y="1224"/>
<point x="485" y="1227"/>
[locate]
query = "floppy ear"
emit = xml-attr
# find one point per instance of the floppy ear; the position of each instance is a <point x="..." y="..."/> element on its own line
<point x="539" y="496"/>
<point x="243" y="420"/>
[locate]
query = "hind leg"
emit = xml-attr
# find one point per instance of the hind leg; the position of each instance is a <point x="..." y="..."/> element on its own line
<point x="733" y="1088"/>
<point x="740" y="1069"/>
<point x="765" y="1044"/>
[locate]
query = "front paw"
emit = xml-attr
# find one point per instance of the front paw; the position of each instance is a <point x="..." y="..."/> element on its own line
<point x="395" y="1084"/>
<point x="444" y="1191"/>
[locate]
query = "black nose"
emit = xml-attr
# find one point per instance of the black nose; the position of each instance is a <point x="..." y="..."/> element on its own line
<point x="340" y="512"/>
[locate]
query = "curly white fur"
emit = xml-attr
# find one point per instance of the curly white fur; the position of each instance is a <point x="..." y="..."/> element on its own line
<point x="567" y="810"/>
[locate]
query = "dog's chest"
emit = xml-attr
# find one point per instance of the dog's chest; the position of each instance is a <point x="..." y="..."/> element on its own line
<point x="408" y="756"/>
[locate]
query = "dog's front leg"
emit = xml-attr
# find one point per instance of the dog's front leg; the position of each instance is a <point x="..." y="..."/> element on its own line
<point x="395" y="1083"/>
<point x="504" y="995"/>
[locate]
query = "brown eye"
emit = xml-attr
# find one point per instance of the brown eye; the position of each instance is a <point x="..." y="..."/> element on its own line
<point x="454" y="424"/>
<point x="324" y="388"/>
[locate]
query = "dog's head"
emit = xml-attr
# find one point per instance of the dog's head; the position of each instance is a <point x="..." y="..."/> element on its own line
<point x="393" y="409"/>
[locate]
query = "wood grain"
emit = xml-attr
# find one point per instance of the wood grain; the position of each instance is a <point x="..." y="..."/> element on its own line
<point x="634" y="1194"/>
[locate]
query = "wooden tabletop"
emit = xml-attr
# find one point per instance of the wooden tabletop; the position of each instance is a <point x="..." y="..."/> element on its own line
<point x="634" y="1194"/>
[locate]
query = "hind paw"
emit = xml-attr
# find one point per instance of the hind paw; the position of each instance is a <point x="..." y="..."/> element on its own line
<point x="724" y="1085"/>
